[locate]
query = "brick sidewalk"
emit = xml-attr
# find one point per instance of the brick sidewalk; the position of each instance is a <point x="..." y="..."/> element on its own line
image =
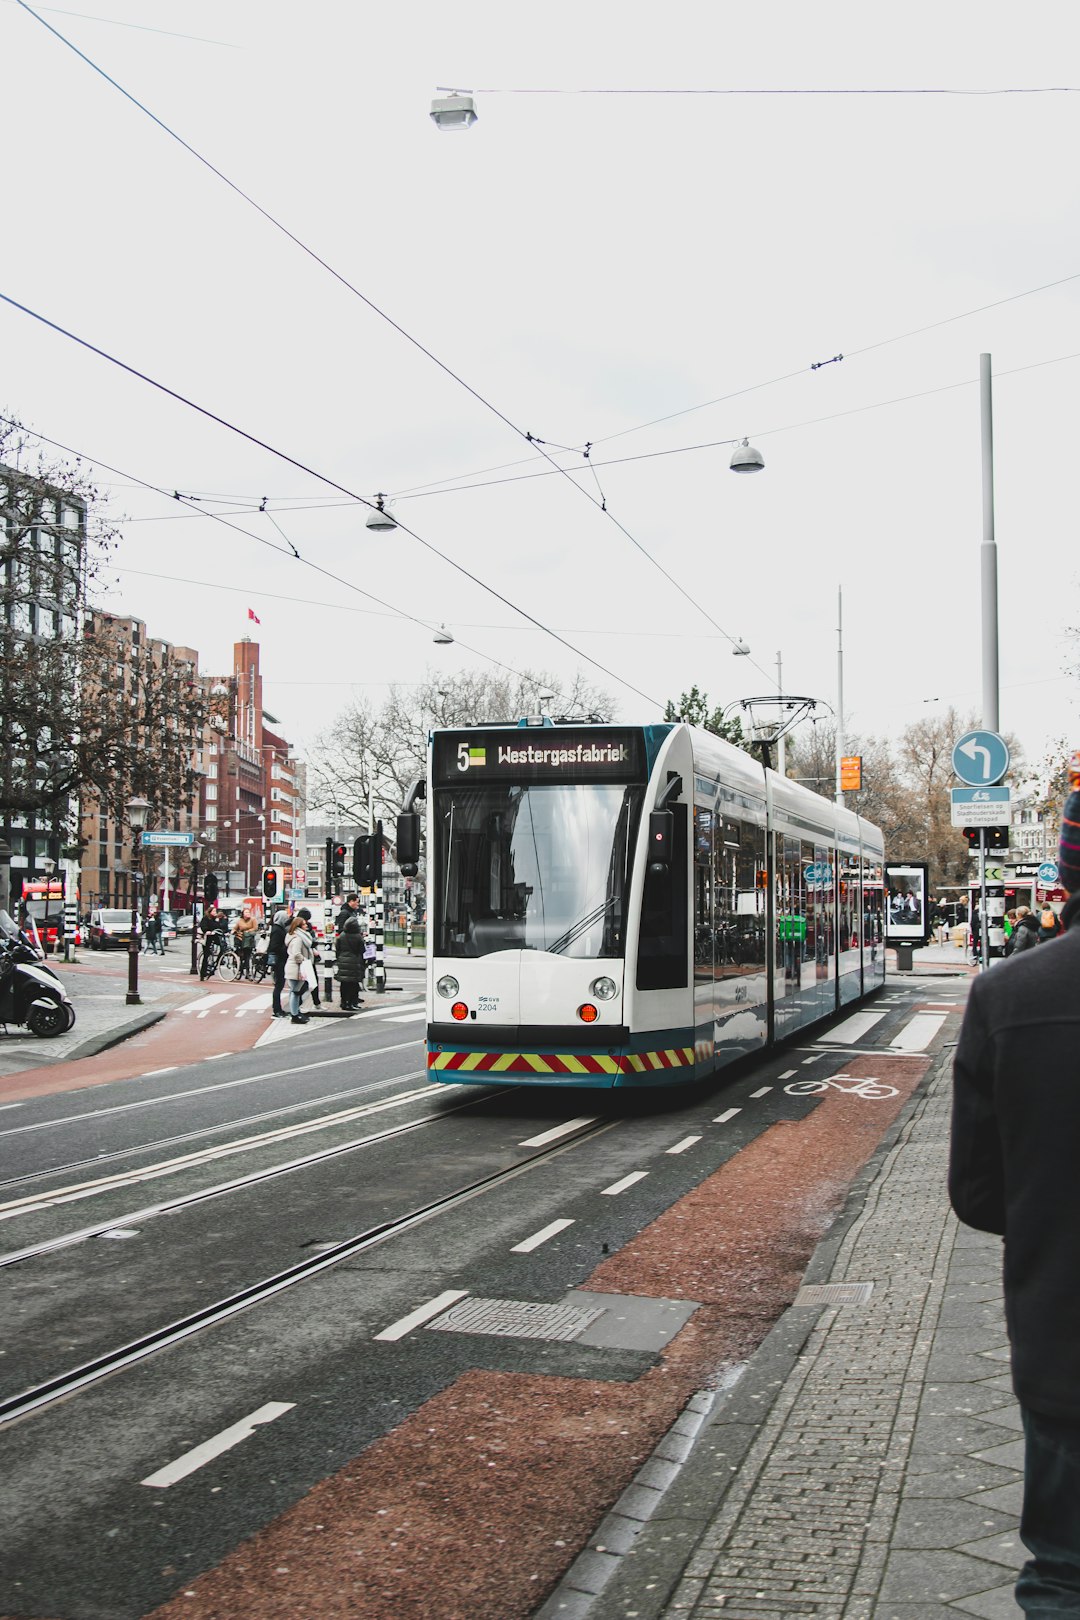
<point x="867" y="1466"/>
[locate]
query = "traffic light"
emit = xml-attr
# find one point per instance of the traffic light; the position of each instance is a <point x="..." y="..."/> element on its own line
<point x="269" y="882"/>
<point x="338" y="864"/>
<point x="367" y="859"/>
<point x="328" y="868"/>
<point x="210" y="888"/>
<point x="996" y="837"/>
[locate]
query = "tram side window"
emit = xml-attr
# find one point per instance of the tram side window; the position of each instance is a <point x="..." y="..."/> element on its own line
<point x="662" y="943"/>
<point x="750" y="892"/>
<point x="703" y="894"/>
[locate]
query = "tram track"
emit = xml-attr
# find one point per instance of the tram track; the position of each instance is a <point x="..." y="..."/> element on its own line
<point x="163" y="1142"/>
<point x="64" y="1385"/>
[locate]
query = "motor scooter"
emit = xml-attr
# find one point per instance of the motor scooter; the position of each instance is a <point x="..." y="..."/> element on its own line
<point x="31" y="993"/>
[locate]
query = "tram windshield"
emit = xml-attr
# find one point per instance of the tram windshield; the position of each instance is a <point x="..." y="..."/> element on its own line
<point x="536" y="867"/>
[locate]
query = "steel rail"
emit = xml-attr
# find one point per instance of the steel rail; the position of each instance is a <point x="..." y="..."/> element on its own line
<point x="14" y="1408"/>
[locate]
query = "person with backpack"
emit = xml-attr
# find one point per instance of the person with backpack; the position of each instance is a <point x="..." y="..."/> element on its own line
<point x="1049" y="926"/>
<point x="1025" y="932"/>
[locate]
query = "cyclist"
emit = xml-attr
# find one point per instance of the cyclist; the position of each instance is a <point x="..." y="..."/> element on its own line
<point x="245" y="930"/>
<point x="213" y="927"/>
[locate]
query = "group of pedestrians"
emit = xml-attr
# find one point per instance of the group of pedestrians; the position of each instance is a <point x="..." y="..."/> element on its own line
<point x="293" y="959"/>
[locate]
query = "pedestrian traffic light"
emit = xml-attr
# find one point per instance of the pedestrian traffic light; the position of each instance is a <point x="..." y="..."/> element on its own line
<point x="270" y="882"/>
<point x="367" y="859"/>
<point x="210" y="888"/>
<point x="338" y="863"/>
<point x="329" y="866"/>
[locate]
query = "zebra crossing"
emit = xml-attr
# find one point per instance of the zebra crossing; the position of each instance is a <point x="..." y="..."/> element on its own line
<point x="241" y="1003"/>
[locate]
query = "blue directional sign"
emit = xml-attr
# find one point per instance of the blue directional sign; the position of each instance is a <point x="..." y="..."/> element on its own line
<point x="162" y="839"/>
<point x="1047" y="874"/>
<point x="980" y="758"/>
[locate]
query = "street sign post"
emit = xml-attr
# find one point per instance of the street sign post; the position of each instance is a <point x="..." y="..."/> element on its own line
<point x="158" y="840"/>
<point x="980" y="758"/>
<point x="1048" y="874"/>
<point x="981" y="807"/>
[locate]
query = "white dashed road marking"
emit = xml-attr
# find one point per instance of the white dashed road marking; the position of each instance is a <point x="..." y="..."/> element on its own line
<point x="198" y="1456"/>
<point x="681" y="1147"/>
<point x="422" y="1314"/>
<point x="555" y="1132"/>
<point x="542" y="1236"/>
<point x="853" y="1029"/>
<point x="764" y="1090"/>
<point x="787" y="1074"/>
<point x="621" y="1186"/>
<point x="918" y="1033"/>
<point x="729" y="1113"/>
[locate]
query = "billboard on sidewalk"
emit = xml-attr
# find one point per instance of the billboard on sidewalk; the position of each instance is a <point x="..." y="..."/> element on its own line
<point x="905" y="903"/>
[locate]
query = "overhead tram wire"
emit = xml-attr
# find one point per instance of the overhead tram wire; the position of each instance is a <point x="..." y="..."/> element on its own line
<point x="375" y="308"/>
<point x="287" y="550"/>
<point x="331" y="483"/>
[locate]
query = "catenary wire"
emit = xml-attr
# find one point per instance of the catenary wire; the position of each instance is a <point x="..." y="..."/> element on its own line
<point x="324" y="478"/>
<point x="397" y="327"/>
<point x="822" y="90"/>
<point x="289" y="550"/>
<point x="142" y="28"/>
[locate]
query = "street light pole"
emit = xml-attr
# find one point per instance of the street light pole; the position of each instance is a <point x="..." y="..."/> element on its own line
<point x="839" y="693"/>
<point x="781" y="753"/>
<point x="137" y="811"/>
<point x="196" y="851"/>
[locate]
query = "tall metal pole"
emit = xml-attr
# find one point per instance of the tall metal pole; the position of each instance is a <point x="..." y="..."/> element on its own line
<point x="839" y="692"/>
<point x="993" y="895"/>
<point x="988" y="555"/>
<point x="781" y="752"/>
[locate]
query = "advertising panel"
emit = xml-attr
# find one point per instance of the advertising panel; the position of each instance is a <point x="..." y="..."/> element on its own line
<point x="905" y="903"/>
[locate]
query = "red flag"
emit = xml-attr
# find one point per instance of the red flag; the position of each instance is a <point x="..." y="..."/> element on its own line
<point x="253" y="615"/>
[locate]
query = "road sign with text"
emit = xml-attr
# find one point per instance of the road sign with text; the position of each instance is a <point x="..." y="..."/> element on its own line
<point x="980" y="807"/>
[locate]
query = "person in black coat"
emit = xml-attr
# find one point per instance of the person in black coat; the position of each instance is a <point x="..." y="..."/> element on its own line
<point x="1013" y="1170"/>
<point x="275" y="956"/>
<point x="350" y="963"/>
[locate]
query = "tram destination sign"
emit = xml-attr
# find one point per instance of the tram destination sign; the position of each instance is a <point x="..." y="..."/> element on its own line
<point x="539" y="754"/>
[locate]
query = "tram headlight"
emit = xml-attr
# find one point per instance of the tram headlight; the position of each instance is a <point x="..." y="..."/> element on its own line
<point x="448" y="986"/>
<point x="588" y="1013"/>
<point x="459" y="1011"/>
<point x="604" y="989"/>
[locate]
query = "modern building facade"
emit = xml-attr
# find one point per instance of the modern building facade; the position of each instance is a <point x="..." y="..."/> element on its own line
<point x="42" y="589"/>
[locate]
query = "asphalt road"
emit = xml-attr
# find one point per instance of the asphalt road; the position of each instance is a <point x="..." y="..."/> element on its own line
<point x="135" y="1203"/>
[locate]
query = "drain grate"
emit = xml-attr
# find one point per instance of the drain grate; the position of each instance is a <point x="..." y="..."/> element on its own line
<point x="834" y="1294"/>
<point x="515" y="1319"/>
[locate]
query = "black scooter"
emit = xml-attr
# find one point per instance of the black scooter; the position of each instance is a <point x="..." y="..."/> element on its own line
<point x="31" y="994"/>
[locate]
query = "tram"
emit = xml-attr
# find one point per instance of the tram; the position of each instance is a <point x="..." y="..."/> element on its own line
<point x="614" y="905"/>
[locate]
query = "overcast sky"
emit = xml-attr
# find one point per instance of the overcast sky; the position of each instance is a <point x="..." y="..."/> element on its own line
<point x="586" y="263"/>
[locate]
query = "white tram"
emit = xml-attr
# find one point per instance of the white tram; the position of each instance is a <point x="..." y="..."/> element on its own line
<point x="629" y="905"/>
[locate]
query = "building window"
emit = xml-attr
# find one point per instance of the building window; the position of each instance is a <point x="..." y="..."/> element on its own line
<point x="211" y="791"/>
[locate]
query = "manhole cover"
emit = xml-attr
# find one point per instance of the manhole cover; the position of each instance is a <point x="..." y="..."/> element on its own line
<point x="515" y="1319"/>
<point x="834" y="1294"/>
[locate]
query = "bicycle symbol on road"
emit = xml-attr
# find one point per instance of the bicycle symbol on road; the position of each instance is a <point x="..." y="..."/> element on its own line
<point x="872" y="1090"/>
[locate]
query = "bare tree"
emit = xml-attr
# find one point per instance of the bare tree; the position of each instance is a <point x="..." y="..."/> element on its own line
<point x="382" y="750"/>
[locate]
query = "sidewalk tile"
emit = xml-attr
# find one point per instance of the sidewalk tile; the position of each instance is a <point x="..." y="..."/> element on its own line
<point x="936" y="1576"/>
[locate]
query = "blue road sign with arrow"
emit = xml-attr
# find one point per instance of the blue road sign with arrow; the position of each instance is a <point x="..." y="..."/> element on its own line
<point x="980" y="758"/>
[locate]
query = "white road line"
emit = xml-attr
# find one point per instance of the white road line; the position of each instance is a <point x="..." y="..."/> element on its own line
<point x="853" y="1029"/>
<point x="729" y="1113"/>
<point x="204" y="1003"/>
<point x="215" y="1055"/>
<point x="681" y="1147"/>
<point x="406" y="1018"/>
<point x="422" y="1313"/>
<point x="917" y="1034"/>
<point x="787" y="1074"/>
<point x="170" y="1070"/>
<point x="555" y="1132"/>
<point x="199" y="1456"/>
<point x="542" y="1236"/>
<point x="255" y="1004"/>
<point x="763" y="1091"/>
<point x="621" y="1186"/>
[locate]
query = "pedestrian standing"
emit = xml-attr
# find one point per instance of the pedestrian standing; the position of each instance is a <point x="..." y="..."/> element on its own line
<point x="350" y="963"/>
<point x="275" y="954"/>
<point x="351" y="908"/>
<point x="299" y="958"/>
<point x="152" y="935"/>
<point x="1012" y="1171"/>
<point x="1025" y="933"/>
<point x="1049" y="926"/>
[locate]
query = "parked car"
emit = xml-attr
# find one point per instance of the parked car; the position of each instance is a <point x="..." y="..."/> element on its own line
<point x="110" y="929"/>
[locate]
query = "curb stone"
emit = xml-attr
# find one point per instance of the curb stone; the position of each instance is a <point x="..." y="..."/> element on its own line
<point x="604" y="1582"/>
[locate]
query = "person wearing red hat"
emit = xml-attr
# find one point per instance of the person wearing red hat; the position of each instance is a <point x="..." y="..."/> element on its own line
<point x="1013" y="1170"/>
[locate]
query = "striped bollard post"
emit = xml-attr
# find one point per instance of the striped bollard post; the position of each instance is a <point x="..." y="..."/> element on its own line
<point x="380" y="954"/>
